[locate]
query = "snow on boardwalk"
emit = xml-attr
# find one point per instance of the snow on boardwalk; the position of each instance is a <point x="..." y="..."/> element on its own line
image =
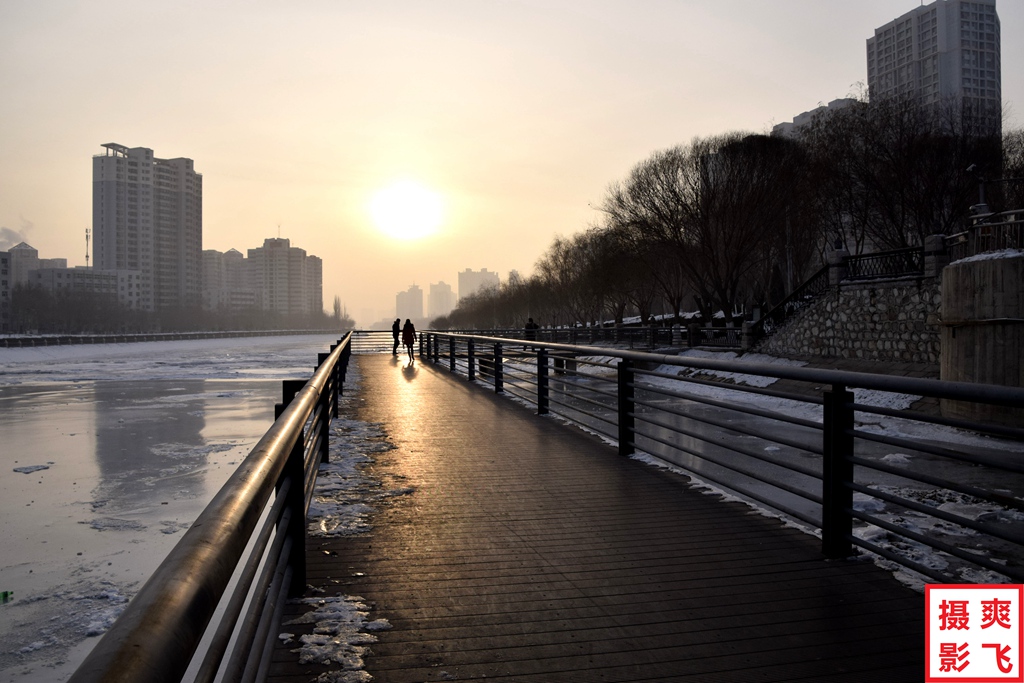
<point x="524" y="550"/>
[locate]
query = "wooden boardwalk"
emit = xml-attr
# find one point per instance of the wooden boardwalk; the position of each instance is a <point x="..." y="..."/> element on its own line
<point x="530" y="551"/>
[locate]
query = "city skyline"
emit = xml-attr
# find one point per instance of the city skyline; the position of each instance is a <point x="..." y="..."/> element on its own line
<point x="298" y="117"/>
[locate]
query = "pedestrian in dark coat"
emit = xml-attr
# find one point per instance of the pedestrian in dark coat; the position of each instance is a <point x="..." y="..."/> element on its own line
<point x="409" y="336"/>
<point x="395" y="331"/>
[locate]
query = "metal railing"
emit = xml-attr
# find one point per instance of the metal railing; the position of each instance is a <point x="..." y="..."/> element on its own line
<point x="992" y="232"/>
<point x="68" y="339"/>
<point x="802" y="452"/>
<point x="250" y="538"/>
<point x="796" y="301"/>
<point x="882" y="264"/>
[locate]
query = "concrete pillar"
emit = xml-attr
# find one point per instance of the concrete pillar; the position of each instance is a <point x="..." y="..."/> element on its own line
<point x="983" y="332"/>
<point x="935" y="255"/>
<point x="838" y="269"/>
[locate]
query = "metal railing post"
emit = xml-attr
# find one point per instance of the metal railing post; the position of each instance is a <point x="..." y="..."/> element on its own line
<point x="295" y="470"/>
<point x="499" y="384"/>
<point x="346" y="356"/>
<point x="336" y="379"/>
<point x="325" y="409"/>
<point x="837" y="474"/>
<point x="437" y="348"/>
<point x="627" y="406"/>
<point x="451" y="354"/>
<point x="471" y="359"/>
<point x="543" y="403"/>
<point x="423" y="337"/>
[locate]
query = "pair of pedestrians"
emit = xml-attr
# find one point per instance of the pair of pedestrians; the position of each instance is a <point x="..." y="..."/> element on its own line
<point x="408" y="333"/>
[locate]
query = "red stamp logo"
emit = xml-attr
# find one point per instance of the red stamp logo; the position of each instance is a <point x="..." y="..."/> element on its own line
<point x="973" y="633"/>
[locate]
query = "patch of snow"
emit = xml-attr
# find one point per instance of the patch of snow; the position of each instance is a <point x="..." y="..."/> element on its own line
<point x="340" y="637"/>
<point x="900" y="459"/>
<point x="993" y="255"/>
<point x="735" y="377"/>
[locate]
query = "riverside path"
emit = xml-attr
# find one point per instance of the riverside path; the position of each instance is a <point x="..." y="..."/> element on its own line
<point x="531" y="551"/>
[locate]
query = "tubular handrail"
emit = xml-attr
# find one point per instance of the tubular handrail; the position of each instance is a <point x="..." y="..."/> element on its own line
<point x="965" y="391"/>
<point x="157" y="635"/>
<point x="822" y="464"/>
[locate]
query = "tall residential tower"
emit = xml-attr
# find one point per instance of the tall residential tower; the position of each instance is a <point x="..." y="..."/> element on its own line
<point x="948" y="49"/>
<point x="147" y="215"/>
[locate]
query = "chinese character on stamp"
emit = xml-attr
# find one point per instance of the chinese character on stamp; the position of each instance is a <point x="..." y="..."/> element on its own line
<point x="973" y="633"/>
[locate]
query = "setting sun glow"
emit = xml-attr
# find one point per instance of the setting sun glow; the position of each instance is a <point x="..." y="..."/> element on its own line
<point x="406" y="210"/>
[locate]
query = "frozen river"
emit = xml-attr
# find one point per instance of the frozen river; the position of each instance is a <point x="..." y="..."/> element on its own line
<point x="107" y="454"/>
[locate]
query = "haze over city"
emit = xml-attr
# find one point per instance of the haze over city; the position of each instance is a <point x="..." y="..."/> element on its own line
<point x="506" y="121"/>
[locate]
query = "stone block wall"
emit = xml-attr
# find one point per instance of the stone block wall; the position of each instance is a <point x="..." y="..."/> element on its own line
<point x="882" y="320"/>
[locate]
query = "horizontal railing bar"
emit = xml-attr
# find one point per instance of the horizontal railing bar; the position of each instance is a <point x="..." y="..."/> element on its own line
<point x="266" y="621"/>
<point x="985" y="428"/>
<point x="968" y="391"/>
<point x="942" y="546"/>
<point x="984" y="527"/>
<point x="746" y="389"/>
<point x="247" y="633"/>
<point x="966" y="489"/>
<point x="742" y="490"/>
<point x="738" y="468"/>
<point x="581" y="411"/>
<point x="757" y="412"/>
<point x="222" y="636"/>
<point x="585" y="399"/>
<point x="800" y="469"/>
<point x="973" y="459"/>
<point x="808" y="448"/>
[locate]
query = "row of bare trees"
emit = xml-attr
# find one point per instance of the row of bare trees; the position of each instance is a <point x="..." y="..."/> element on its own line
<point x="36" y="310"/>
<point x="728" y="223"/>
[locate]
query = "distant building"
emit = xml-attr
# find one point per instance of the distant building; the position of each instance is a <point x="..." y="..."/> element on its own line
<point x="284" y="278"/>
<point x="947" y="49"/>
<point x="441" y="300"/>
<point x="471" y="281"/>
<point x="125" y="285"/>
<point x="227" y="282"/>
<point x="5" y="291"/>
<point x="792" y="128"/>
<point x="148" y="216"/>
<point x="409" y="304"/>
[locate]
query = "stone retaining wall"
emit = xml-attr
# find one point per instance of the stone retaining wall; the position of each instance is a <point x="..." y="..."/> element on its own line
<point x="883" y="320"/>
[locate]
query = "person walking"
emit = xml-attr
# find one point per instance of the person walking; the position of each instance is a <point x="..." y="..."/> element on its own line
<point x="409" y="336"/>
<point x="395" y="331"/>
<point x="530" y="331"/>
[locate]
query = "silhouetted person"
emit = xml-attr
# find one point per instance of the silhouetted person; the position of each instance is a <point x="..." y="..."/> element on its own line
<point x="395" y="331"/>
<point x="530" y="330"/>
<point x="409" y="336"/>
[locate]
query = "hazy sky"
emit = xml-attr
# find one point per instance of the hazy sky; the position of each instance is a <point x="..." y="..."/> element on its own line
<point x="518" y="113"/>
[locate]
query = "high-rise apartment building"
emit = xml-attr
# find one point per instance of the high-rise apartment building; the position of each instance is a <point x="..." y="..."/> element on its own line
<point x="440" y="300"/>
<point x="147" y="215"/>
<point x="947" y="49"/>
<point x="472" y="281"/>
<point x="227" y="282"/>
<point x="285" y="279"/>
<point x="409" y="304"/>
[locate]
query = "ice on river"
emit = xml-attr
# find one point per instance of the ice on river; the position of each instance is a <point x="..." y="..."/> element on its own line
<point x="109" y="453"/>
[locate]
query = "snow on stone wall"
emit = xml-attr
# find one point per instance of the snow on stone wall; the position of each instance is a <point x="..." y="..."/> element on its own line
<point x="890" y="320"/>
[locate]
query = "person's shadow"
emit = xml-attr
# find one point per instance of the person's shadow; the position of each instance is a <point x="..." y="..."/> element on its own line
<point x="409" y="371"/>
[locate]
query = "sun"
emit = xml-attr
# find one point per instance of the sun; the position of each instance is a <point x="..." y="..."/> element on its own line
<point x="407" y="210"/>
